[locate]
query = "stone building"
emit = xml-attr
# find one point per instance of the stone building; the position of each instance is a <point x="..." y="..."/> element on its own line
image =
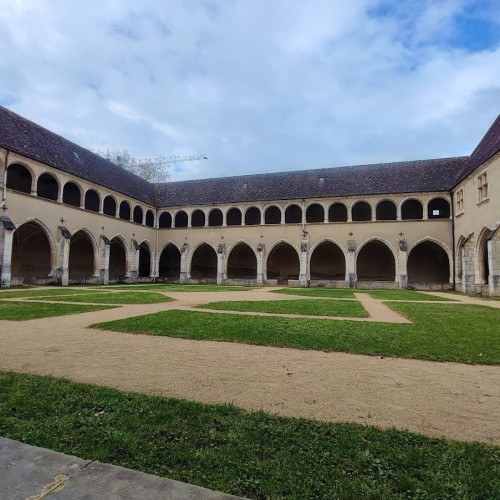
<point x="69" y="216"/>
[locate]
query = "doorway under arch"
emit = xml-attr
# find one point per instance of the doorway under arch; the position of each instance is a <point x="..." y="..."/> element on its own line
<point x="204" y="263"/>
<point x="283" y="263"/>
<point x="375" y="262"/>
<point x="169" y="266"/>
<point x="327" y="262"/>
<point x="117" y="260"/>
<point x="81" y="257"/>
<point x="428" y="263"/>
<point x="144" y="260"/>
<point x="242" y="263"/>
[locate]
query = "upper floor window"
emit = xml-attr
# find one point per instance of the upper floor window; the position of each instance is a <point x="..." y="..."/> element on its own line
<point x="482" y="187"/>
<point x="460" y="201"/>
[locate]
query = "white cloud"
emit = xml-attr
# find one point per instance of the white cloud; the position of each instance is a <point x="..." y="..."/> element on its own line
<point x="256" y="85"/>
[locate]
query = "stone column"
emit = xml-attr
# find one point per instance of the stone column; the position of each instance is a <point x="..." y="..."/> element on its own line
<point x="402" y="264"/>
<point x="260" y="264"/>
<point x="62" y="275"/>
<point x="221" y="257"/>
<point x="7" y="228"/>
<point x="184" y="274"/>
<point x="351" y="275"/>
<point x="468" y="266"/>
<point x="304" y="252"/>
<point x="134" y="254"/>
<point x="104" y="260"/>
<point x="494" y="262"/>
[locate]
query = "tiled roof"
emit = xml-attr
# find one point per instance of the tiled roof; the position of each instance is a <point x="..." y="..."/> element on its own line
<point x="385" y="178"/>
<point x="488" y="147"/>
<point x="29" y="139"/>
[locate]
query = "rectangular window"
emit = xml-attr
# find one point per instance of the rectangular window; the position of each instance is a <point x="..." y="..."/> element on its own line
<point x="482" y="187"/>
<point x="460" y="201"/>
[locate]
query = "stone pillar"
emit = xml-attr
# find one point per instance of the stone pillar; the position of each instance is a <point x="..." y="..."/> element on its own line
<point x="468" y="266"/>
<point x="304" y="252"/>
<point x="134" y="254"/>
<point x="7" y="228"/>
<point x="351" y="275"/>
<point x="402" y="264"/>
<point x="494" y="262"/>
<point x="260" y="264"/>
<point x="221" y="257"/>
<point x="104" y="260"/>
<point x="184" y="274"/>
<point x="62" y="274"/>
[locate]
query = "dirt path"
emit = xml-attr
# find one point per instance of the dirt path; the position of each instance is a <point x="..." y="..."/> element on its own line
<point x="439" y="399"/>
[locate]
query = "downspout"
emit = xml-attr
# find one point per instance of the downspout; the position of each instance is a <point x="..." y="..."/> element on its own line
<point x="453" y="257"/>
<point x="157" y="262"/>
<point x="4" y="197"/>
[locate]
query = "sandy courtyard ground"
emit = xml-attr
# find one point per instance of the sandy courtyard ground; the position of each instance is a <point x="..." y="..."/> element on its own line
<point x="438" y="399"/>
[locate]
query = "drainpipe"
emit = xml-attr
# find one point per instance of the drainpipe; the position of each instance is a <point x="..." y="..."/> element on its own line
<point x="4" y="197"/>
<point x="453" y="257"/>
<point x="155" y="272"/>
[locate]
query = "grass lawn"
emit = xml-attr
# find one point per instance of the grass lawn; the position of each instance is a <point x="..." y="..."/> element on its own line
<point x="440" y="332"/>
<point x="19" y="311"/>
<point x="335" y="293"/>
<point x="255" y="455"/>
<point x="179" y="288"/>
<point x="315" y="307"/>
<point x="116" y="298"/>
<point x="35" y="292"/>
<point x="341" y="293"/>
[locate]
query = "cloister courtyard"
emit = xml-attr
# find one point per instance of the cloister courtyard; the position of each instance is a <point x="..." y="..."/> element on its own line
<point x="388" y="362"/>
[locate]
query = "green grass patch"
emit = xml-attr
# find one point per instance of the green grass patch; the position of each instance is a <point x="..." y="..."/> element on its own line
<point x="254" y="455"/>
<point x="440" y="332"/>
<point x="180" y="288"/>
<point x="19" y="311"/>
<point x="35" y="292"/>
<point x="402" y="295"/>
<point x="335" y="293"/>
<point x="117" y="298"/>
<point x="314" y="307"/>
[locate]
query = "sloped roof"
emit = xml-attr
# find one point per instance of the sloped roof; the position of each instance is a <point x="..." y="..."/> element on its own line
<point x="29" y="139"/>
<point x="487" y="148"/>
<point x="386" y="178"/>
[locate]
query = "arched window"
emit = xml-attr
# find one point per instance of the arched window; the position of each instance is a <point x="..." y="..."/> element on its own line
<point x="198" y="218"/>
<point x="138" y="214"/>
<point x="150" y="218"/>
<point x="438" y="208"/>
<point x="124" y="210"/>
<point x="253" y="217"/>
<point x="386" y="210"/>
<point x="412" y="209"/>
<point x="109" y="206"/>
<point x="293" y="214"/>
<point x="181" y="219"/>
<point x="361" y="211"/>
<point x="272" y="215"/>
<point x="165" y="220"/>
<point x="19" y="178"/>
<point x="92" y="200"/>
<point x="234" y="217"/>
<point x="71" y="194"/>
<point x="215" y="217"/>
<point x="315" y="213"/>
<point x="337" y="213"/>
<point x="47" y="187"/>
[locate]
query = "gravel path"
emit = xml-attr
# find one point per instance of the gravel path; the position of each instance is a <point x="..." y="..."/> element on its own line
<point x="438" y="399"/>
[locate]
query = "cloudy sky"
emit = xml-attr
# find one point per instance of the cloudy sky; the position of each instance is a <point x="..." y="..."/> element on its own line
<point x="257" y="85"/>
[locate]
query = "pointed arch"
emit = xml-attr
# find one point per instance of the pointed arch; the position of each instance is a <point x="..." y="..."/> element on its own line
<point x="33" y="253"/>
<point x="283" y="262"/>
<point x="376" y="261"/>
<point x="327" y="261"/>
<point x="241" y="262"/>
<point x="146" y="260"/>
<point x="203" y="262"/>
<point x="481" y="257"/>
<point x="82" y="263"/>
<point x="429" y="261"/>
<point x="169" y="262"/>
<point x="119" y="263"/>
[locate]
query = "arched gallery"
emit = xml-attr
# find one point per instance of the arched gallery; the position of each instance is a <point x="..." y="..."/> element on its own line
<point x="68" y="216"/>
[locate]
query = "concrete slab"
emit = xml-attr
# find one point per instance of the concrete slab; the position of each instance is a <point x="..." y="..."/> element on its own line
<point x="30" y="472"/>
